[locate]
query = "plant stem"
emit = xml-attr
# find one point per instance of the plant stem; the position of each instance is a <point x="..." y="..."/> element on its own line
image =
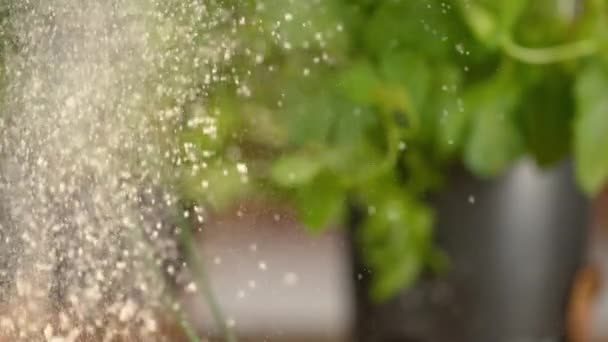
<point x="182" y="319"/>
<point x="186" y="327"/>
<point x="548" y="55"/>
<point x="200" y="278"/>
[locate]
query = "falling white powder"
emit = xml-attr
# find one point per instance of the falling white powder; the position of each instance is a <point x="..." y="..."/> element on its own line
<point x="262" y="266"/>
<point x="241" y="168"/>
<point x="127" y="311"/>
<point x="230" y="322"/>
<point x="87" y="143"/>
<point x="290" y="279"/>
<point x="191" y="287"/>
<point x="240" y="294"/>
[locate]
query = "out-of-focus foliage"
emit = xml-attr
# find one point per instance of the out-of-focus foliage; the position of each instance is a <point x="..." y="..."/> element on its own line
<point x="346" y="104"/>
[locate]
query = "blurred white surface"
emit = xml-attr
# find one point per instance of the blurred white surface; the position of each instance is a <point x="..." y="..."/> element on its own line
<point x="275" y="280"/>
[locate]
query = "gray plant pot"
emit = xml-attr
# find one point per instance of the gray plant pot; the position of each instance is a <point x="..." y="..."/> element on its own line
<point x="514" y="244"/>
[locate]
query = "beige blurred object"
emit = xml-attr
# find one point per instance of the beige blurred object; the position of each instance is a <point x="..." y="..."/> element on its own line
<point x="588" y="307"/>
<point x="274" y="280"/>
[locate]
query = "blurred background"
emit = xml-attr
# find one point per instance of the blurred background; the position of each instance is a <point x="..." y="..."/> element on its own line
<point x="388" y="170"/>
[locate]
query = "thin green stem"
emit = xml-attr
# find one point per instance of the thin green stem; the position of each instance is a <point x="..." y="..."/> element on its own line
<point x="182" y="319"/>
<point x="201" y="279"/>
<point x="548" y="55"/>
<point x="187" y="327"/>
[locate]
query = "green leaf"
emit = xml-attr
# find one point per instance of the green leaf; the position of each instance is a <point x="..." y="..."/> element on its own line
<point x="492" y="20"/>
<point x="407" y="82"/>
<point x="546" y="117"/>
<point x="546" y="23"/>
<point x="360" y="83"/>
<point x="591" y="128"/>
<point x="320" y="202"/>
<point x="451" y="126"/>
<point x="355" y="161"/>
<point x="218" y="185"/>
<point x="359" y="145"/>
<point x="509" y="12"/>
<point x="402" y="274"/>
<point x="423" y="173"/>
<point x="309" y="121"/>
<point x="296" y="169"/>
<point x="445" y="118"/>
<point x="494" y="140"/>
<point x="221" y="112"/>
<point x="394" y="238"/>
<point x="482" y="22"/>
<point x="428" y="27"/>
<point x="410" y="71"/>
<point x="353" y="124"/>
<point x="299" y="23"/>
<point x="259" y="126"/>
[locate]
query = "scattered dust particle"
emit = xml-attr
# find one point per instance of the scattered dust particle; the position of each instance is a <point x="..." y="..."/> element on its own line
<point x="241" y="168"/>
<point x="290" y="279"/>
<point x="191" y="287"/>
<point x="262" y="265"/>
<point x="127" y="311"/>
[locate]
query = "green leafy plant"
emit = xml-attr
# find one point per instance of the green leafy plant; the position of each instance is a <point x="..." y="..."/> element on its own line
<point x="346" y="104"/>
